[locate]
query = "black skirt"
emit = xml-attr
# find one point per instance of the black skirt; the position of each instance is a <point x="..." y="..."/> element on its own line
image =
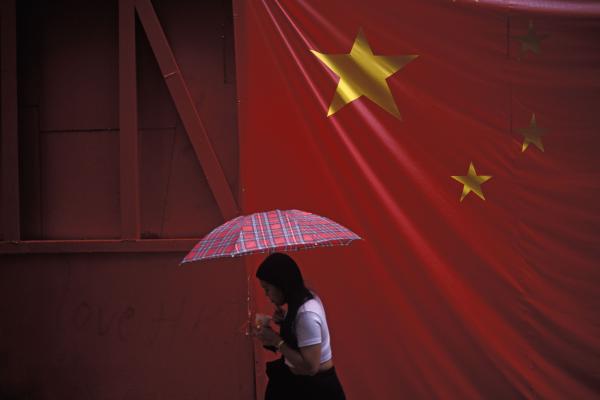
<point x="284" y="385"/>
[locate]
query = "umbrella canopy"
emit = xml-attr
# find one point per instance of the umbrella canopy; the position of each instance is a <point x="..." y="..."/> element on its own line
<point x="277" y="230"/>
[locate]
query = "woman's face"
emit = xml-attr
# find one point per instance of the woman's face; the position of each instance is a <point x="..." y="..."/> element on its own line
<point x="273" y="293"/>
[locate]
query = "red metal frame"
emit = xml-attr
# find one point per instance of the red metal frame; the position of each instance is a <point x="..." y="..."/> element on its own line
<point x="128" y="120"/>
<point x="186" y="109"/>
<point x="97" y="246"/>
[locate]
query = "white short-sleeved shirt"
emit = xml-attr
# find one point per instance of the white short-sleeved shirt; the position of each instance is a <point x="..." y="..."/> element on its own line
<point x="311" y="327"/>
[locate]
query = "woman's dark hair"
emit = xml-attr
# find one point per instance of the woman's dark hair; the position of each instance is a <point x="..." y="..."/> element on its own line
<point x="281" y="270"/>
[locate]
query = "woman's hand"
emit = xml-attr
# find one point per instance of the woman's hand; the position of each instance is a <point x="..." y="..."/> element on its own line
<point x="268" y="336"/>
<point x="279" y="315"/>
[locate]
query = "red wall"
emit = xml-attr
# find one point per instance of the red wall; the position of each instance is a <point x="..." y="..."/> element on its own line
<point x="122" y="326"/>
<point x="108" y="324"/>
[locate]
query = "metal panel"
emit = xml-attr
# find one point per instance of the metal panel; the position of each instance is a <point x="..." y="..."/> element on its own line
<point x="128" y="123"/>
<point x="30" y="173"/>
<point x="79" y="57"/>
<point x="186" y="178"/>
<point x="8" y="107"/>
<point x="156" y="162"/>
<point x="80" y="180"/>
<point x="122" y="326"/>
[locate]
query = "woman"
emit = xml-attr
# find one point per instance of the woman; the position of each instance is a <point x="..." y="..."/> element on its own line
<point x="305" y="370"/>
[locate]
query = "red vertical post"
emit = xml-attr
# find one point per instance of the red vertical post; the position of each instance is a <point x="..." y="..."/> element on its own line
<point x="128" y="123"/>
<point x="8" y="107"/>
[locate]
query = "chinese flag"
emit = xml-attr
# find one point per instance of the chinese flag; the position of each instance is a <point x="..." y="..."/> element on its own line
<point x="460" y="139"/>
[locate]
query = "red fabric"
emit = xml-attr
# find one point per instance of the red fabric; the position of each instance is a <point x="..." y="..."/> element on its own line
<point x="494" y="298"/>
<point x="276" y="230"/>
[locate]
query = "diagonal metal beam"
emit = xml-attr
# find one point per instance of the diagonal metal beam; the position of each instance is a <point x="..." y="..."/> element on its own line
<point x="8" y="107"/>
<point x="128" y="124"/>
<point x="186" y="109"/>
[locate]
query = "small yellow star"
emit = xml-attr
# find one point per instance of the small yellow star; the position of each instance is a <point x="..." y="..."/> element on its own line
<point x="472" y="182"/>
<point x="363" y="74"/>
<point x="531" y="41"/>
<point x="533" y="134"/>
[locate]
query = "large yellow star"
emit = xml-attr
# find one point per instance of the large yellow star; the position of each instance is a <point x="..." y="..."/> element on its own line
<point x="363" y="74"/>
<point x="533" y="134"/>
<point x="531" y="41"/>
<point x="472" y="182"/>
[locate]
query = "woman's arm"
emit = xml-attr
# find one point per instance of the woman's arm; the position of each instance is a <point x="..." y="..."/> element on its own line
<point x="306" y="361"/>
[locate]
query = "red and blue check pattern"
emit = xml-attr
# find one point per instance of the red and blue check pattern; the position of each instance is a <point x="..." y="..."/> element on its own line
<point x="270" y="231"/>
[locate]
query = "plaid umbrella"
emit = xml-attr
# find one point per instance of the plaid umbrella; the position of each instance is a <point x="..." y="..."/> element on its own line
<point x="270" y="231"/>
